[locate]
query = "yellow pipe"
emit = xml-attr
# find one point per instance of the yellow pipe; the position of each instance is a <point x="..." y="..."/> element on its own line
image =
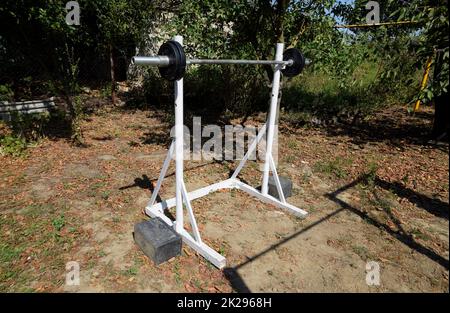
<point x="424" y="80"/>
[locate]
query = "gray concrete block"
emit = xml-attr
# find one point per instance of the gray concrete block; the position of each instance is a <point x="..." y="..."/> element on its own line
<point x="286" y="186"/>
<point x="157" y="240"/>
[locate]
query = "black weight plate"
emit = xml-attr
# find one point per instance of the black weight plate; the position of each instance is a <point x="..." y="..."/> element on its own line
<point x="296" y="67"/>
<point x="177" y="60"/>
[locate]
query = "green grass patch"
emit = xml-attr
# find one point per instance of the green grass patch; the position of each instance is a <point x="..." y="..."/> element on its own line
<point x="94" y="189"/>
<point x="12" y="145"/>
<point x="35" y="246"/>
<point x="382" y="203"/>
<point x="417" y="233"/>
<point x="362" y="252"/>
<point x="176" y="272"/>
<point x="371" y="174"/>
<point x="9" y="253"/>
<point x="106" y="194"/>
<point x="132" y="271"/>
<point x="292" y="143"/>
<point x="336" y="167"/>
<point x="59" y="222"/>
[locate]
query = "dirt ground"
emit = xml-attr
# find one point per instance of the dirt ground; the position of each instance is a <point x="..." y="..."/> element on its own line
<point x="375" y="192"/>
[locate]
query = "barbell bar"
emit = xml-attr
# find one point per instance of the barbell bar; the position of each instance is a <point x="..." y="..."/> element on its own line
<point x="162" y="60"/>
<point x="171" y="61"/>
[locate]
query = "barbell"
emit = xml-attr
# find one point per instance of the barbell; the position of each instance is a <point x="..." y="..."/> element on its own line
<point x="171" y="61"/>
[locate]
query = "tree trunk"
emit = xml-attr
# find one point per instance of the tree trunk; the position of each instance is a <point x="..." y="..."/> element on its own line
<point x="441" y="105"/>
<point x="113" y="78"/>
<point x="282" y="6"/>
<point x="281" y="10"/>
<point x="441" y="123"/>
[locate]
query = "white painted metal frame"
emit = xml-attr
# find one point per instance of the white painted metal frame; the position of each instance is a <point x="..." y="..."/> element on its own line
<point x="182" y="196"/>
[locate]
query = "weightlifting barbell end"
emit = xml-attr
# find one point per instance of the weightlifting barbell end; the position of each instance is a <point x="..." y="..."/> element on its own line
<point x="158" y="60"/>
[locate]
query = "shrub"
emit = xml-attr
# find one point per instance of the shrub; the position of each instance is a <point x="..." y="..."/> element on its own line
<point x="6" y="93"/>
<point x="12" y="145"/>
<point x="30" y="127"/>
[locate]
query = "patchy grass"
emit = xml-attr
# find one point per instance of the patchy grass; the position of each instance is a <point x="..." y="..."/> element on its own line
<point x="59" y="222"/>
<point x="90" y="218"/>
<point x="417" y="233"/>
<point x="35" y="246"/>
<point x="336" y="167"/>
<point x="132" y="271"/>
<point x="382" y="203"/>
<point x="362" y="252"/>
<point x="177" y="273"/>
<point x="292" y="144"/>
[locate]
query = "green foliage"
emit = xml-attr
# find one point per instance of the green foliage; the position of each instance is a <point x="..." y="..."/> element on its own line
<point x="23" y="129"/>
<point x="59" y="222"/>
<point x="371" y="173"/>
<point x="119" y="20"/>
<point x="404" y="50"/>
<point x="335" y="167"/>
<point x="433" y="38"/>
<point x="42" y="54"/>
<point x="12" y="145"/>
<point x="106" y="90"/>
<point x="241" y="29"/>
<point x="6" y="93"/>
<point x="321" y="94"/>
<point x="236" y="29"/>
<point x="132" y="271"/>
<point x="77" y="133"/>
<point x="356" y="64"/>
<point x="30" y="127"/>
<point x="9" y="253"/>
<point x="401" y="51"/>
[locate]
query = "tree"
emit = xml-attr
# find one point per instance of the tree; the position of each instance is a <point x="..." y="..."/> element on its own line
<point x="407" y="47"/>
<point x="38" y="46"/>
<point x="119" y="23"/>
<point x="433" y="40"/>
<point x="241" y="29"/>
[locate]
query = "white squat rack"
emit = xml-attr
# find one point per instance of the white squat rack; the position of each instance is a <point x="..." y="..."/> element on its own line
<point x="182" y="196"/>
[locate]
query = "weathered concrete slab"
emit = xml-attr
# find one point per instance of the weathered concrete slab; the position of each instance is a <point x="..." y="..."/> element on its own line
<point x="157" y="240"/>
<point x="286" y="186"/>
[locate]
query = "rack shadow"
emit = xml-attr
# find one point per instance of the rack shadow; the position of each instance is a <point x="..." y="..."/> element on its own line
<point x="239" y="285"/>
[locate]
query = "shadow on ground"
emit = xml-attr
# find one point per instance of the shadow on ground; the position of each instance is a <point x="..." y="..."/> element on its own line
<point x="409" y="129"/>
<point x="434" y="206"/>
<point x="439" y="209"/>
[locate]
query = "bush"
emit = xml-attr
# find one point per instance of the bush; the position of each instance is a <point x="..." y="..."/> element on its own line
<point x="213" y="92"/>
<point x="12" y="145"/>
<point x="318" y="94"/>
<point x="30" y="127"/>
<point x="6" y="93"/>
<point x="21" y="130"/>
<point x="323" y="97"/>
